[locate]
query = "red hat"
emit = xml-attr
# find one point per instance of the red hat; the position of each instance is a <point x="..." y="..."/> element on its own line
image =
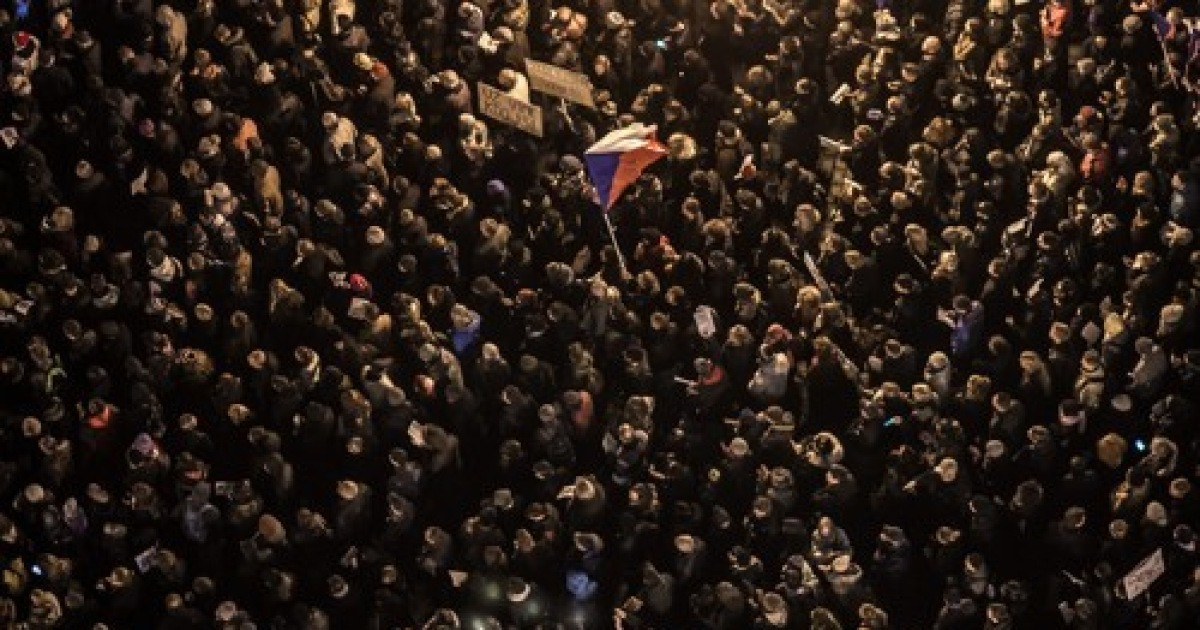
<point x="359" y="284"/>
<point x="21" y="39"/>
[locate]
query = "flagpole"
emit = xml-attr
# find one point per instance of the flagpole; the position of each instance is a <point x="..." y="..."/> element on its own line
<point x="1162" y="29"/>
<point x="1167" y="62"/>
<point x="562" y="107"/>
<point x="635" y="141"/>
<point x="612" y="233"/>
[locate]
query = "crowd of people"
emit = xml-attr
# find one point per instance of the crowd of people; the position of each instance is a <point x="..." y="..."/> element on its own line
<point x="292" y="336"/>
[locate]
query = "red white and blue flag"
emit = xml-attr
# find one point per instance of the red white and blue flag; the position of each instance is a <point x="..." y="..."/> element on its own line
<point x="619" y="158"/>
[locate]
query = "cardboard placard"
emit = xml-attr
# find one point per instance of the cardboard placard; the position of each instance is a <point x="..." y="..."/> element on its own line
<point x="560" y="82"/>
<point x="501" y="107"/>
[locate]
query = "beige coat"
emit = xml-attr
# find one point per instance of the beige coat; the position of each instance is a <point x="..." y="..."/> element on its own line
<point x="268" y="191"/>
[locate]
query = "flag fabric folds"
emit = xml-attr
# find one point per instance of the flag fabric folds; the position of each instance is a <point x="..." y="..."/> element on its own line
<point x="1163" y="28"/>
<point x="617" y="159"/>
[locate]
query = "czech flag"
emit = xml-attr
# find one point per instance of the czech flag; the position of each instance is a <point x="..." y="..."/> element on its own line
<point x="619" y="158"/>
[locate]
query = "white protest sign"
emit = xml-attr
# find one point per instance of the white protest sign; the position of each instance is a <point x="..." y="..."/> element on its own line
<point x="1138" y="580"/>
<point x="501" y="107"/>
<point x="560" y="82"/>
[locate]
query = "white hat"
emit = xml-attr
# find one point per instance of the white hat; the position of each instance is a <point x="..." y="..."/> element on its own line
<point x="363" y="61"/>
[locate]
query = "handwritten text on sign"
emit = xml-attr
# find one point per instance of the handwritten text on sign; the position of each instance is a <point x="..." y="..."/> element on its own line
<point x="560" y="82"/>
<point x="499" y="106"/>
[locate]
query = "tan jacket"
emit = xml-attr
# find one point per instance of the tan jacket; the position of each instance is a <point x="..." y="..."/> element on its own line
<point x="268" y="191"/>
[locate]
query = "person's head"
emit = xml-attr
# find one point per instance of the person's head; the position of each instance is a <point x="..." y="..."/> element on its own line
<point x="947" y="470"/>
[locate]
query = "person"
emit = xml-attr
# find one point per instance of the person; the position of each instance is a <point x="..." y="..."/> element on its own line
<point x="296" y="331"/>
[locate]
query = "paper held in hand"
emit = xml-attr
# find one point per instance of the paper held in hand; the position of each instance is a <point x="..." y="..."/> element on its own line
<point x="706" y="324"/>
<point x="1138" y="580"/>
